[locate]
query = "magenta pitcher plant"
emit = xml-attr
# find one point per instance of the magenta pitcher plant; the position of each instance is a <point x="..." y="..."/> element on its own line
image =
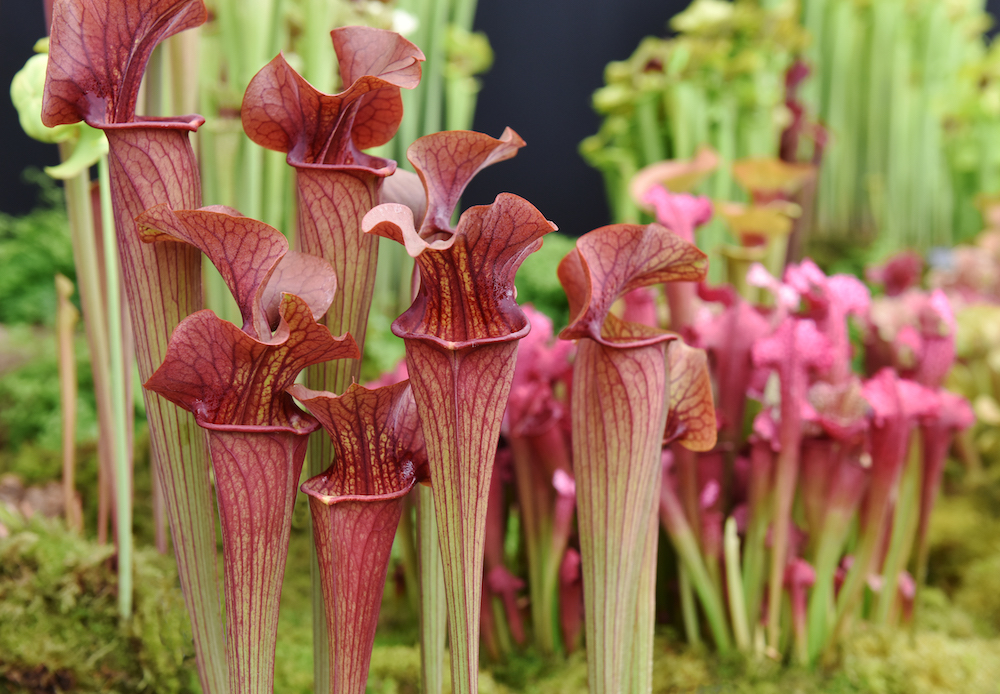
<point x="98" y="53"/>
<point x="461" y="337"/>
<point x="234" y="381"/>
<point x="620" y="401"/>
<point x="356" y="506"/>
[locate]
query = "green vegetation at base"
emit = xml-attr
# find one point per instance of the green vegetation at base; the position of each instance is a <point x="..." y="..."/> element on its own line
<point x="60" y="630"/>
<point x="29" y="392"/>
<point x="59" y="627"/>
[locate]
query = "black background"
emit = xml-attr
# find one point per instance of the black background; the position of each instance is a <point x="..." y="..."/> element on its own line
<point x="549" y="59"/>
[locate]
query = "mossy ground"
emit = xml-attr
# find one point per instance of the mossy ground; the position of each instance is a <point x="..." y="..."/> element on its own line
<point x="59" y="631"/>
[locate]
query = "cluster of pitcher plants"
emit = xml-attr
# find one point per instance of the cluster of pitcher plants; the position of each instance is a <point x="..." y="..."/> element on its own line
<point x="793" y="509"/>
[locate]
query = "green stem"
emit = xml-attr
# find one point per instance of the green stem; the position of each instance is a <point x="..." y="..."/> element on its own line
<point x="463" y="13"/>
<point x="81" y="227"/>
<point x="904" y="525"/>
<point x="822" y="608"/>
<point x="433" y="110"/>
<point x="433" y="609"/>
<point x="649" y="129"/>
<point x="405" y="537"/>
<point x="786" y="474"/>
<point x="641" y="676"/>
<point x="737" y="602"/>
<point x="66" y="320"/>
<point x="687" y="549"/>
<point x="526" y="469"/>
<point x="317" y="52"/>
<point x="119" y="398"/>
<point x="689" y="611"/>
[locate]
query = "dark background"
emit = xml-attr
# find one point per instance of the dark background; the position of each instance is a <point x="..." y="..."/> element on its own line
<point x="549" y="59"/>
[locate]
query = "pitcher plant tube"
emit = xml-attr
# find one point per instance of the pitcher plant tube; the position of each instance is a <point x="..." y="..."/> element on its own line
<point x="461" y="336"/>
<point x="234" y="381"/>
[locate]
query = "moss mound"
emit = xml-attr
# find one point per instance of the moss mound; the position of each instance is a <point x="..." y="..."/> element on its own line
<point x="59" y="629"/>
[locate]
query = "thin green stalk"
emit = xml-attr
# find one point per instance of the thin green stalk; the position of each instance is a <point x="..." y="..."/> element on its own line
<point x="319" y="59"/>
<point x="251" y="189"/>
<point x="641" y="675"/>
<point x="689" y="611"/>
<point x="501" y="629"/>
<point x="433" y="81"/>
<point x="275" y="194"/>
<point x="904" y="526"/>
<point x="684" y="541"/>
<point x="786" y="474"/>
<point x="651" y="141"/>
<point x="66" y="319"/>
<point x="753" y="567"/>
<point x="460" y="95"/>
<point x="433" y="609"/>
<point x="406" y="539"/>
<point x="463" y="13"/>
<point x="822" y="608"/>
<point x="676" y="102"/>
<point x="81" y="227"/>
<point x="321" y="635"/>
<point x="734" y="586"/>
<point x="119" y="398"/>
<point x="627" y="209"/>
<point x="535" y="533"/>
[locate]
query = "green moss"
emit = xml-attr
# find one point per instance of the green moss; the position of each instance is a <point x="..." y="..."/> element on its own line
<point x="59" y="620"/>
<point x="965" y="557"/>
<point x="883" y="661"/>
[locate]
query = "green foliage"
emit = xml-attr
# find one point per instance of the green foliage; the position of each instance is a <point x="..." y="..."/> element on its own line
<point x="537" y="283"/>
<point x="29" y="395"/>
<point x="719" y="81"/>
<point x="33" y="248"/>
<point x="60" y="624"/>
<point x="965" y="553"/>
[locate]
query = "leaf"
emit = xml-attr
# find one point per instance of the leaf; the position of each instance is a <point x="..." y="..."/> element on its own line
<point x="363" y="51"/>
<point x="252" y="257"/>
<point x="467" y="274"/>
<point x="378" y="443"/>
<point x="447" y="161"/>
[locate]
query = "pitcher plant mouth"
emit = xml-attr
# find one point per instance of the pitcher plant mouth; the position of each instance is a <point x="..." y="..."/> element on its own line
<point x="190" y="123"/>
